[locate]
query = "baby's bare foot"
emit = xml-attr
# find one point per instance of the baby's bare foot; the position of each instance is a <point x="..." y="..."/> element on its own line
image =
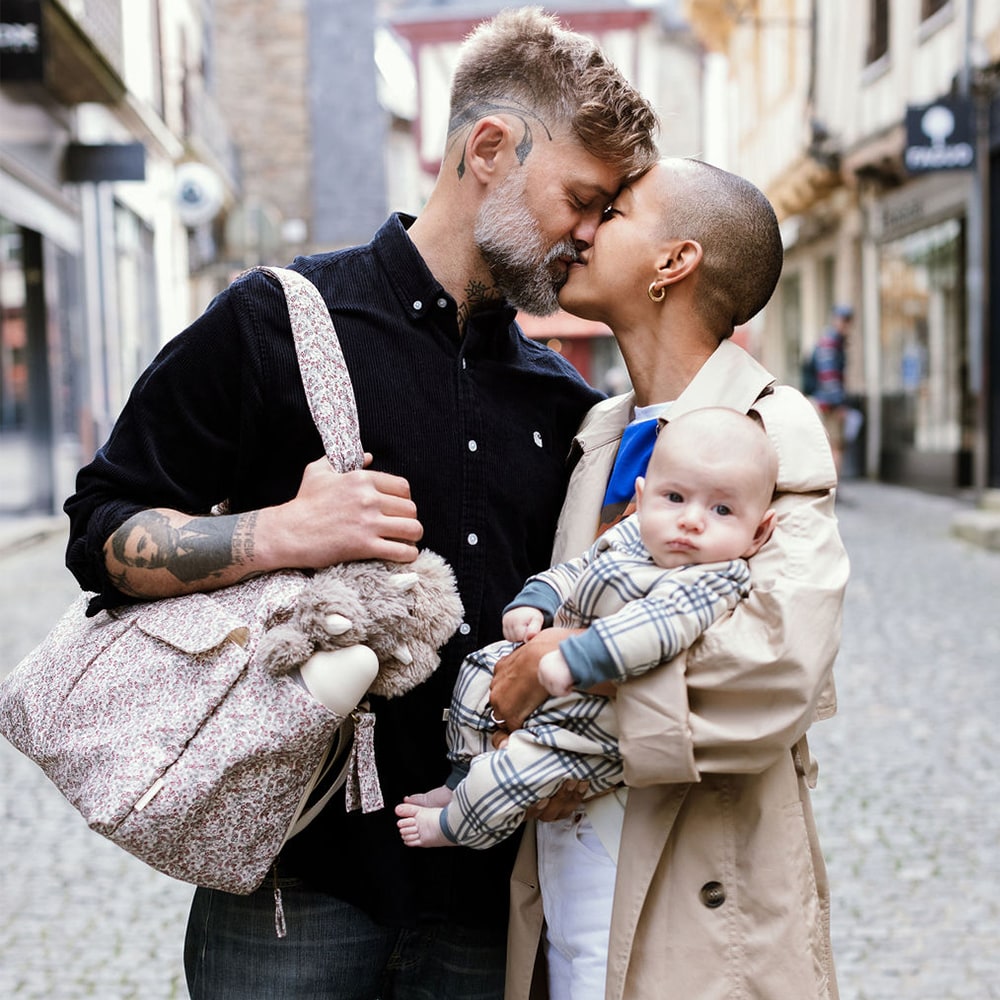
<point x="435" y="798"/>
<point x="420" y="826"/>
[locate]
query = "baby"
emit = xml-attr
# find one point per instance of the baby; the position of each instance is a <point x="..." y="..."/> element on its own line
<point x="643" y="593"/>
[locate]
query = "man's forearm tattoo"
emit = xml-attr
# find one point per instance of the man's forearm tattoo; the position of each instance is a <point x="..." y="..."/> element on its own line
<point x="199" y="550"/>
<point x="244" y="538"/>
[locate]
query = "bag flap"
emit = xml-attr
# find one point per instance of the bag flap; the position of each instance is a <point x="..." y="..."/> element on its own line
<point x="194" y="623"/>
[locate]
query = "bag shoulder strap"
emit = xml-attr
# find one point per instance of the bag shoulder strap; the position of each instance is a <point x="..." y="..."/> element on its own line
<point x="324" y="372"/>
<point x="328" y="389"/>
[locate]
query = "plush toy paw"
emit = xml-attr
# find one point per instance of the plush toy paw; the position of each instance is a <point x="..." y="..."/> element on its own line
<point x="433" y="614"/>
<point x="403" y="612"/>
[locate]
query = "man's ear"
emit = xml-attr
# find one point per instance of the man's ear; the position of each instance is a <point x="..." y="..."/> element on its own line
<point x="678" y="260"/>
<point x="489" y="139"/>
<point x="762" y="534"/>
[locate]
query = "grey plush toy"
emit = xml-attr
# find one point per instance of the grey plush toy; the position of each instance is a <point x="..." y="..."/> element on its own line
<point x="403" y="612"/>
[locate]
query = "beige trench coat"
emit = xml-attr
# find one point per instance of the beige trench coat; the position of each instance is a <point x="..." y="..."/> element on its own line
<point x="721" y="891"/>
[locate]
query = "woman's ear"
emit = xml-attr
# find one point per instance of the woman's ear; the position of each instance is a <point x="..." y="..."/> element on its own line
<point x="678" y="260"/>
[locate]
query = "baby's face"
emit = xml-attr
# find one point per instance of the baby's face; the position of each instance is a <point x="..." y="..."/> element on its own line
<point x="694" y="509"/>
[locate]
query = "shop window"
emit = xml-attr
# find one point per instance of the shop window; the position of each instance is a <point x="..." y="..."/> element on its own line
<point x="922" y="342"/>
<point x="878" y="31"/>
<point x="137" y="307"/>
<point x="791" y="327"/>
<point x="827" y="278"/>
<point x="13" y="334"/>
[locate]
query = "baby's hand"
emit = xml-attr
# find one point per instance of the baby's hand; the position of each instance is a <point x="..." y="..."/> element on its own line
<point x="554" y="674"/>
<point x="522" y="624"/>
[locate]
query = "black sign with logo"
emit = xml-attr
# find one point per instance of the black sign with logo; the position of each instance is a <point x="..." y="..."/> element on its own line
<point x="939" y="136"/>
<point x="21" y="40"/>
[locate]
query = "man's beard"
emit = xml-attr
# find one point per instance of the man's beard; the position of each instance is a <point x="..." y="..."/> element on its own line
<point x="509" y="239"/>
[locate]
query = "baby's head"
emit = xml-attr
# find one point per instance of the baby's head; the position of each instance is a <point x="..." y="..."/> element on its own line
<point x="707" y="491"/>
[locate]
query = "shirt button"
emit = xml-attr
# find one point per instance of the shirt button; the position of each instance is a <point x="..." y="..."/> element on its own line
<point x="713" y="894"/>
<point x="465" y="628"/>
<point x="418" y="305"/>
<point x="473" y="446"/>
<point x="442" y="303"/>
<point x="473" y="538"/>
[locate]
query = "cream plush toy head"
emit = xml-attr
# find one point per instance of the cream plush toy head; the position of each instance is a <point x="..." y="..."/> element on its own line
<point x="404" y="612"/>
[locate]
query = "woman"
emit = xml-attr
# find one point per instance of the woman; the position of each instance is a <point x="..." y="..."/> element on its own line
<point x="720" y="887"/>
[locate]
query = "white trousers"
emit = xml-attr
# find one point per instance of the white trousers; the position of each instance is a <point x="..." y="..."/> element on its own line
<point x="577" y="881"/>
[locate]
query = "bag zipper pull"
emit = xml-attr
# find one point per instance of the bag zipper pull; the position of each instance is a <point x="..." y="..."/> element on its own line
<point x="279" y="910"/>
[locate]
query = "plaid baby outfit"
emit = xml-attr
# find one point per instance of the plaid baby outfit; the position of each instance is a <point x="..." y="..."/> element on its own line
<point x="637" y="616"/>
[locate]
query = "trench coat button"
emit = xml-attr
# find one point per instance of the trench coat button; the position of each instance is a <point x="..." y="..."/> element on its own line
<point x="713" y="894"/>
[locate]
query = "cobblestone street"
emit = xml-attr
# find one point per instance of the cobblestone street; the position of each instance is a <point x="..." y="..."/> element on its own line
<point x="81" y="918"/>
<point x="908" y="802"/>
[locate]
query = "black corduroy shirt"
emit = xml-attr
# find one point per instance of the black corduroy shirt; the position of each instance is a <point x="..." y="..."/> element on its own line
<point x="479" y="424"/>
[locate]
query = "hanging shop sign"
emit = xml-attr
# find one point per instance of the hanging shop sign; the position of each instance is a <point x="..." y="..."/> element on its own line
<point x="108" y="162"/>
<point x="939" y="136"/>
<point x="21" y="41"/>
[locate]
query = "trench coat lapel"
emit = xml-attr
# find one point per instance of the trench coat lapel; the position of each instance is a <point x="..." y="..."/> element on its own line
<point x="730" y="377"/>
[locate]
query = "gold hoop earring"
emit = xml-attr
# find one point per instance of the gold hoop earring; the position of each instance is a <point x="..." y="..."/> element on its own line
<point x="653" y="297"/>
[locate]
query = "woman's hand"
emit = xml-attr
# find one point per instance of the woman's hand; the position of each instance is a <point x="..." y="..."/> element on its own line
<point x="515" y="691"/>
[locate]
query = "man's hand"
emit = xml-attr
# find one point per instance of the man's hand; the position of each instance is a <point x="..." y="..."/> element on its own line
<point x="515" y="691"/>
<point x="562" y="804"/>
<point x="339" y="517"/>
<point x="334" y="517"/>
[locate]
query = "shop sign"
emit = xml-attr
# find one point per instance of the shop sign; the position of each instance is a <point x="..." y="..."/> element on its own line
<point x="21" y="41"/>
<point x="939" y="136"/>
<point x="109" y="162"/>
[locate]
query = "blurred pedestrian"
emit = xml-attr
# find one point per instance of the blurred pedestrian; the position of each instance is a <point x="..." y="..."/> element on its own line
<point x="828" y="392"/>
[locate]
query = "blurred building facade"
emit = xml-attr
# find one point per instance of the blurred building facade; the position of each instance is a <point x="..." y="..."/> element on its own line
<point x="874" y="127"/>
<point x="109" y="140"/>
<point x="364" y="88"/>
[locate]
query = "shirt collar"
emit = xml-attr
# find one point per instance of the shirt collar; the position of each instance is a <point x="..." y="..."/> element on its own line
<point x="418" y="291"/>
<point x="416" y="288"/>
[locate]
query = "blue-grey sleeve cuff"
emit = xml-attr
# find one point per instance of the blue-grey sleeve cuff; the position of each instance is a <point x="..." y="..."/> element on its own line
<point x="536" y="594"/>
<point x="588" y="659"/>
<point x="458" y="772"/>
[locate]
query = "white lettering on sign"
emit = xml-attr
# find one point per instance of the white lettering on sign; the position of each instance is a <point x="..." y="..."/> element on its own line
<point x="929" y="157"/>
<point x="18" y="37"/>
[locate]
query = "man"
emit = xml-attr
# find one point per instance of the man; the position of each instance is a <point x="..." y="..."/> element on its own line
<point x="719" y="884"/>
<point x="460" y="413"/>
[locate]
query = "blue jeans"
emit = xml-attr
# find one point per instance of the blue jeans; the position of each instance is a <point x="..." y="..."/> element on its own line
<point x="332" y="951"/>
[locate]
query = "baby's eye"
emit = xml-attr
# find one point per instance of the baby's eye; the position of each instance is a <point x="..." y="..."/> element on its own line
<point x="609" y="213"/>
<point x="675" y="498"/>
<point x="723" y="510"/>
